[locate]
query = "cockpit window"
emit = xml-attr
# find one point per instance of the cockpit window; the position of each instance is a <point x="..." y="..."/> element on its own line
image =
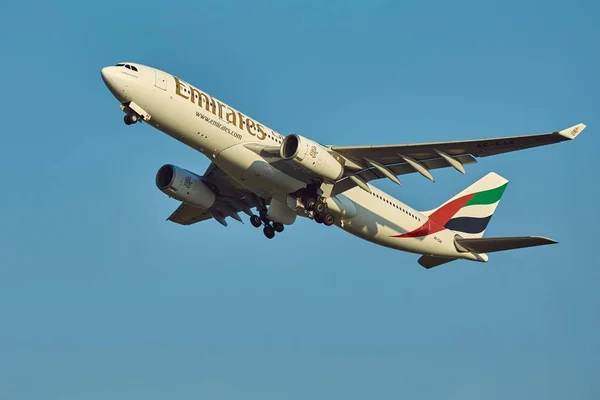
<point x="131" y="67"/>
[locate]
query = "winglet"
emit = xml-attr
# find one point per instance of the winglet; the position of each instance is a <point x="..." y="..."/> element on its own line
<point x="572" y="132"/>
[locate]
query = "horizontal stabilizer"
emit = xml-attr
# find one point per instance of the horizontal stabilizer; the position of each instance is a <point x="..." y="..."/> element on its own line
<point x="490" y="245"/>
<point x="431" y="261"/>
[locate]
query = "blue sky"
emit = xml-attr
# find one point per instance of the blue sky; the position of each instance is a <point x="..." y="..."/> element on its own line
<point x="100" y="298"/>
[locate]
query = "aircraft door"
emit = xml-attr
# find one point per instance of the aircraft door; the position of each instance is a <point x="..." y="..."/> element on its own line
<point x="160" y="79"/>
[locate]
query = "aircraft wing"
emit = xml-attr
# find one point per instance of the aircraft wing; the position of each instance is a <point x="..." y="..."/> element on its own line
<point x="230" y="200"/>
<point x="187" y="214"/>
<point x="375" y="162"/>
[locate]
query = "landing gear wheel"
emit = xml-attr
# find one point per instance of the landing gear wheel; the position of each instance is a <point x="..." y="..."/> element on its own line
<point x="319" y="218"/>
<point x="255" y="221"/>
<point x="130" y="119"/>
<point x="328" y="220"/>
<point x="269" y="232"/>
<point x="320" y="207"/>
<point x="310" y="204"/>
<point x="278" y="226"/>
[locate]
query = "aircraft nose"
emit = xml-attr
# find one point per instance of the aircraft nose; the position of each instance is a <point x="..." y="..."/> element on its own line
<point x="106" y="73"/>
<point x="113" y="81"/>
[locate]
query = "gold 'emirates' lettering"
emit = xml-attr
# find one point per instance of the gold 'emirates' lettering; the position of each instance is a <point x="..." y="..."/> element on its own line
<point x="231" y="118"/>
<point x="215" y="107"/>
<point x="178" y="87"/>
<point x="250" y="127"/>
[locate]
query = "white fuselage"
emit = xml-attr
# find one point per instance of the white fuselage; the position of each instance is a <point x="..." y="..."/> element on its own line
<point x="221" y="133"/>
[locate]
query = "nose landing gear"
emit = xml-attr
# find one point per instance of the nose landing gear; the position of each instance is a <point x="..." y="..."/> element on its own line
<point x="130" y="119"/>
<point x="134" y="113"/>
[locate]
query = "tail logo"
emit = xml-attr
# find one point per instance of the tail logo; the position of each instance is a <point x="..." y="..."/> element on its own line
<point x="468" y="214"/>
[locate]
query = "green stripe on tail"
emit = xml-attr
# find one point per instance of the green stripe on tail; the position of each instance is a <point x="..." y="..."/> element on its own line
<point x="487" y="197"/>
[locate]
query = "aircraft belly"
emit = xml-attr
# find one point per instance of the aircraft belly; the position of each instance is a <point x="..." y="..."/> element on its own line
<point x="341" y="207"/>
<point x="366" y="225"/>
<point x="373" y="227"/>
<point x="254" y="173"/>
<point x="372" y="221"/>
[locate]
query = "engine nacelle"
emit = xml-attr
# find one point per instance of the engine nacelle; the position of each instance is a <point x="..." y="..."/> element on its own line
<point x="310" y="157"/>
<point x="184" y="186"/>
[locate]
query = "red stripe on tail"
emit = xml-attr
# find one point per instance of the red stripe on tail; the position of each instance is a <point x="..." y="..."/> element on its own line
<point x="439" y="218"/>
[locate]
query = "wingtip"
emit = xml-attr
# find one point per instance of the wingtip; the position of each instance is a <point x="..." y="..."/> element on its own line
<point x="573" y="131"/>
<point x="546" y="240"/>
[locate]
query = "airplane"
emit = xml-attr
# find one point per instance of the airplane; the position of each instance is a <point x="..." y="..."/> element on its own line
<point x="282" y="177"/>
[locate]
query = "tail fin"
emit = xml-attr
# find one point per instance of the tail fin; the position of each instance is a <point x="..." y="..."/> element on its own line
<point x="470" y="211"/>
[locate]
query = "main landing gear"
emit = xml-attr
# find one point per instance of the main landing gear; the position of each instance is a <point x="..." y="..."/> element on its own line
<point x="318" y="208"/>
<point x="269" y="227"/>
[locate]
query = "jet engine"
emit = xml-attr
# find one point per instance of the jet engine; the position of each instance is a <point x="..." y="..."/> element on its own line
<point x="184" y="186"/>
<point x="310" y="157"/>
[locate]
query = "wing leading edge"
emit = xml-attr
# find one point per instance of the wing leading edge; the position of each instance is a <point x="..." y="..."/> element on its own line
<point x="407" y="158"/>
